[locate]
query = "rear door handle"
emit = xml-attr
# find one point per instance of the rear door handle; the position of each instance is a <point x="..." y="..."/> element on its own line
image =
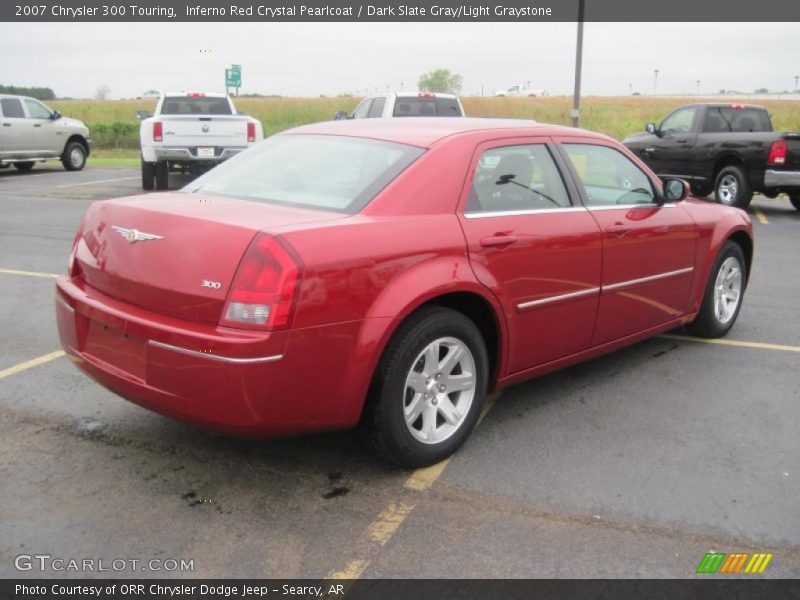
<point x="498" y="239"/>
<point x="6" y="124"/>
<point x="37" y="124"/>
<point x="617" y="229"/>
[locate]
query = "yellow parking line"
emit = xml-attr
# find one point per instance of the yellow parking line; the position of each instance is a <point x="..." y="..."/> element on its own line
<point x="384" y="527"/>
<point x="760" y="216"/>
<point x="352" y="571"/>
<point x="28" y="273"/>
<point x="736" y="343"/>
<point x="34" y="362"/>
<point x="71" y="185"/>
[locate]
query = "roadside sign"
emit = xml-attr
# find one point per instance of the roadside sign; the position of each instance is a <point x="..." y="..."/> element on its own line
<point x="233" y="78"/>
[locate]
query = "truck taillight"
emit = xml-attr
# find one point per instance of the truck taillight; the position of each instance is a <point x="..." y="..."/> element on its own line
<point x="426" y="95"/>
<point x="777" y="153"/>
<point x="251" y="132"/>
<point x="158" y="131"/>
<point x="265" y="286"/>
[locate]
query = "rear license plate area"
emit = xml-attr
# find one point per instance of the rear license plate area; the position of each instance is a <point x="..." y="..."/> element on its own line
<point x="205" y="152"/>
<point x="121" y="351"/>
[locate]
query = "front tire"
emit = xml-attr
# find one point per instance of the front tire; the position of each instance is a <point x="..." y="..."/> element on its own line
<point x="24" y="166"/>
<point x="428" y="390"/>
<point x="794" y="198"/>
<point x="74" y="156"/>
<point x="732" y="188"/>
<point x="724" y="293"/>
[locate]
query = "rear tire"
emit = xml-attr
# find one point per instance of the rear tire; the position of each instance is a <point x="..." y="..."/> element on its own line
<point x="428" y="390"/>
<point x="24" y="166"/>
<point x="74" y="156"/>
<point x="732" y="188"/>
<point x="162" y="175"/>
<point x="148" y="175"/>
<point x="724" y="293"/>
<point x="794" y="198"/>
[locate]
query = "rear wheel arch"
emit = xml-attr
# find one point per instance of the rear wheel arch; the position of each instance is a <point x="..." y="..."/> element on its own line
<point x="745" y="242"/>
<point x="727" y="160"/>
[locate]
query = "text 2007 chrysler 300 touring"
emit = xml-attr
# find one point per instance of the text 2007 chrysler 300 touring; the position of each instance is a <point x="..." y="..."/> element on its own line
<point x="390" y="273"/>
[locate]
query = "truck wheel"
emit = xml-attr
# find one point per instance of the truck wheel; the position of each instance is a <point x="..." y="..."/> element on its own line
<point x="24" y="166"/>
<point x="428" y="389"/>
<point x="162" y="175"/>
<point x="794" y="198"/>
<point x="732" y="187"/>
<point x="148" y="175"/>
<point x="723" y="295"/>
<point x="74" y="156"/>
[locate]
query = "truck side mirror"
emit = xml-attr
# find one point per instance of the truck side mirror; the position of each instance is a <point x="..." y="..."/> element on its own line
<point x="340" y="116"/>
<point x="142" y="114"/>
<point x="651" y="128"/>
<point x="55" y="116"/>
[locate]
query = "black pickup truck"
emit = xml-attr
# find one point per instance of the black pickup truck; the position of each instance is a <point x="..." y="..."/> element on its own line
<point x="729" y="149"/>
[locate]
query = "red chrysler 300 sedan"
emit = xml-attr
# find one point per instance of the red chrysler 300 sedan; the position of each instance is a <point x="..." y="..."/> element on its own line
<point x="390" y="273"/>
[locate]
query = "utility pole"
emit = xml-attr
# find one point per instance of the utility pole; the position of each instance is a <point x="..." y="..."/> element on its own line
<point x="796" y="89"/>
<point x="655" y="82"/>
<point x="576" y="99"/>
<point x="698" y="87"/>
<point x="630" y="89"/>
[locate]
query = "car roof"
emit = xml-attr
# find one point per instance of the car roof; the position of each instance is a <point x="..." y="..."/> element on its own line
<point x="427" y="131"/>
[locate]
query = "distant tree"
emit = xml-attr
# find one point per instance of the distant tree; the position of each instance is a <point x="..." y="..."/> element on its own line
<point x="102" y="93"/>
<point x="440" y="80"/>
<point x="40" y="93"/>
<point x="762" y="91"/>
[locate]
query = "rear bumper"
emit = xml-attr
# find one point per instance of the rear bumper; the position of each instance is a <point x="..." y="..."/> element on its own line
<point x="781" y="179"/>
<point x="238" y="382"/>
<point x="190" y="154"/>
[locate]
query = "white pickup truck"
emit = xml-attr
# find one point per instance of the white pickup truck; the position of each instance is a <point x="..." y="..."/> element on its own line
<point x="521" y="90"/>
<point x="192" y="132"/>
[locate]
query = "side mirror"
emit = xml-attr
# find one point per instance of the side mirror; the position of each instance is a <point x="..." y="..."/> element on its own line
<point x="55" y="116"/>
<point x="340" y="116"/>
<point x="675" y="190"/>
<point x="142" y="114"/>
<point x="651" y="128"/>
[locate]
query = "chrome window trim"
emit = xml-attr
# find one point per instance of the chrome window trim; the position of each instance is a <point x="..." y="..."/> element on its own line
<point x="629" y="206"/>
<point x="550" y="299"/>
<point x="518" y="213"/>
<point x="216" y="357"/>
<point x="667" y="275"/>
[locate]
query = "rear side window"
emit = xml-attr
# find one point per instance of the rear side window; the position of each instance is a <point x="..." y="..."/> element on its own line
<point x="195" y="105"/>
<point x="426" y="107"/>
<point x="609" y="177"/>
<point x="376" y="110"/>
<point x="12" y="108"/>
<point x="516" y="178"/>
<point x="334" y="172"/>
<point x="724" y="119"/>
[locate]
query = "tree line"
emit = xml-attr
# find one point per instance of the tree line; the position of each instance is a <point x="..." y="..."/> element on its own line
<point x="40" y="93"/>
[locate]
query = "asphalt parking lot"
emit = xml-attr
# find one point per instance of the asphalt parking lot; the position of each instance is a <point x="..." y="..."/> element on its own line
<point x="631" y="465"/>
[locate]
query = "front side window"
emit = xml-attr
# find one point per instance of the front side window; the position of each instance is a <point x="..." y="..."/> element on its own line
<point x="12" y="108"/>
<point x="334" y="172"/>
<point x="37" y="110"/>
<point x="609" y="177"/>
<point x="376" y="110"/>
<point x="681" y="121"/>
<point x="516" y="178"/>
<point x="362" y="110"/>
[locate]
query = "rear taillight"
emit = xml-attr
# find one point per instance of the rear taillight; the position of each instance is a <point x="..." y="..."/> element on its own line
<point x="158" y="131"/>
<point x="263" y="292"/>
<point x="777" y="153"/>
<point x="251" y="132"/>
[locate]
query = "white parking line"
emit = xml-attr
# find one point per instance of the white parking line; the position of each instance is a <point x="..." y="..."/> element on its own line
<point x="70" y="185"/>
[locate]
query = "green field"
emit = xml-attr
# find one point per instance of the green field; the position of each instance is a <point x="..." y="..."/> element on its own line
<point x="115" y="128"/>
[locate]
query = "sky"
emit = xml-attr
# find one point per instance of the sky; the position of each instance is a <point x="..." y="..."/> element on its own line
<point x="310" y="59"/>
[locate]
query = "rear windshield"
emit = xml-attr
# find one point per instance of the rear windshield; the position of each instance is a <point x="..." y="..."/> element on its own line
<point x="195" y="105"/>
<point x="738" y="120"/>
<point x="336" y="173"/>
<point x="426" y="107"/>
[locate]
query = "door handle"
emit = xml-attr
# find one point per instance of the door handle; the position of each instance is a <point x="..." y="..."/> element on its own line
<point x="681" y="141"/>
<point x="498" y="239"/>
<point x="649" y="150"/>
<point x="617" y="229"/>
<point x="37" y="124"/>
<point x="6" y="124"/>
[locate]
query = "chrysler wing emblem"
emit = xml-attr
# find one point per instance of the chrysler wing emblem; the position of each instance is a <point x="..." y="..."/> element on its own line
<point x="205" y="128"/>
<point x="134" y="235"/>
